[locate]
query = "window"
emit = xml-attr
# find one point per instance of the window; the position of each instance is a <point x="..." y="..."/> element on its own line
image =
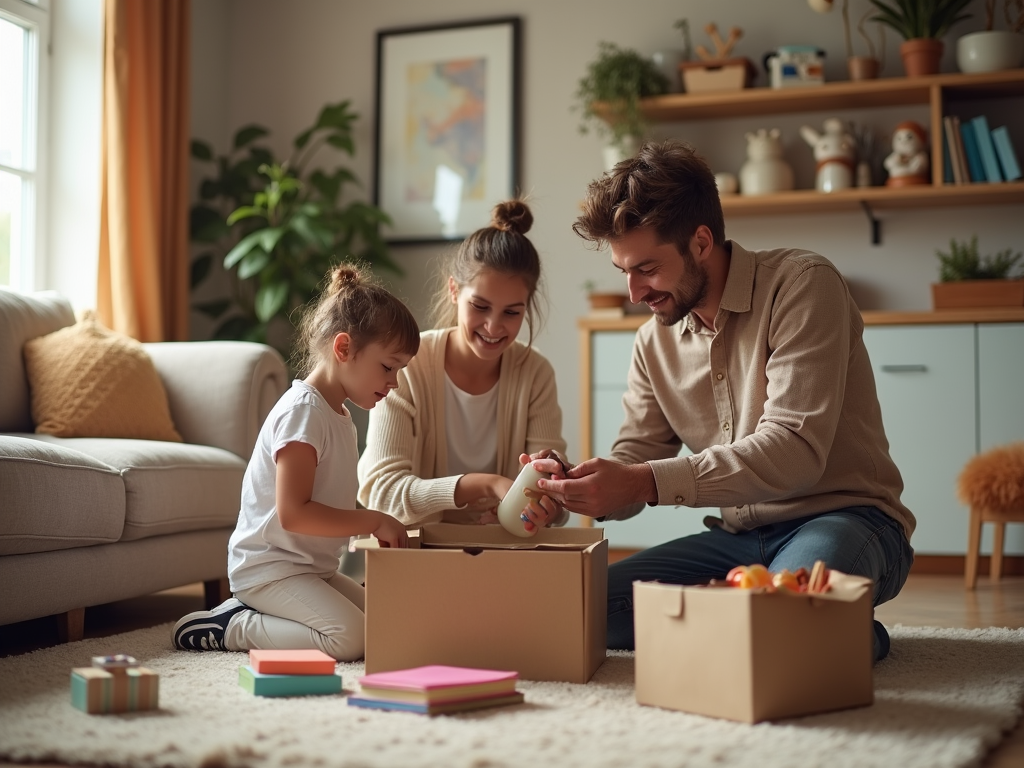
<point x="23" y="35"/>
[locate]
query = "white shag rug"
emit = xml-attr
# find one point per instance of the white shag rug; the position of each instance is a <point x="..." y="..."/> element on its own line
<point x="944" y="697"/>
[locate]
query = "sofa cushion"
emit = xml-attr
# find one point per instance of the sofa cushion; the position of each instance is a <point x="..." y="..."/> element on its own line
<point x="55" y="497"/>
<point x="23" y="317"/>
<point x="89" y="381"/>
<point x="169" y="487"/>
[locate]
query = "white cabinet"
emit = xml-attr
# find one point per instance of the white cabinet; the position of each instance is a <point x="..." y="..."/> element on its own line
<point x="947" y="392"/>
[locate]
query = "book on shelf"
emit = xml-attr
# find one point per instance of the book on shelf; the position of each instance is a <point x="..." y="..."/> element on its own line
<point x="987" y="149"/>
<point x="1007" y="156"/>
<point x="974" y="166"/>
<point x="442" y="708"/>
<point x="947" y="160"/>
<point x="951" y="133"/>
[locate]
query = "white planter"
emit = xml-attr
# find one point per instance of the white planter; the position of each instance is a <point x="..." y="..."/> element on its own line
<point x="990" y="51"/>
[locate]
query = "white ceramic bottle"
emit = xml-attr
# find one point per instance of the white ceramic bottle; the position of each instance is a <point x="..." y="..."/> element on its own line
<point x="511" y="507"/>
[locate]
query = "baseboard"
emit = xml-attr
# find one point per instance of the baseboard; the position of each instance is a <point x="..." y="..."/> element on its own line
<point x="924" y="565"/>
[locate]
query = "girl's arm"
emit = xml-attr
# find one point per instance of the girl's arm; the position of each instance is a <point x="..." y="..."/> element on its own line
<point x="298" y="513"/>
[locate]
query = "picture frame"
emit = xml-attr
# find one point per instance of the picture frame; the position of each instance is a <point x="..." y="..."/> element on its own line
<point x="447" y="122"/>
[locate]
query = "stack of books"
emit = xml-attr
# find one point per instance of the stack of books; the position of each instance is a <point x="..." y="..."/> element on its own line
<point x="289" y="673"/>
<point x="973" y="153"/>
<point x="437" y="690"/>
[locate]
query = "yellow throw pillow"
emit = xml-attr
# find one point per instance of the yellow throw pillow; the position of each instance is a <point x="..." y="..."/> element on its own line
<point x="88" y="381"/>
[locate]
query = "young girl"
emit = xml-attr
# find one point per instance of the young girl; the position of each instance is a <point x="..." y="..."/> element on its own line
<point x="299" y="490"/>
<point x="448" y="443"/>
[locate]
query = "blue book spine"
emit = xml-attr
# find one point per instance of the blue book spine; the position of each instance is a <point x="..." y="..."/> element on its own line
<point x="947" y="161"/>
<point x="1007" y="157"/>
<point x="986" y="148"/>
<point x="974" y="165"/>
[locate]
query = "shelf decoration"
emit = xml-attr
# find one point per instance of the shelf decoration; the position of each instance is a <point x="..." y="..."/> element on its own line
<point x="718" y="71"/>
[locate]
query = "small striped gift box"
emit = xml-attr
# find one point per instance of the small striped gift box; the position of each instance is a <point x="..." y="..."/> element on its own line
<point x="100" y="692"/>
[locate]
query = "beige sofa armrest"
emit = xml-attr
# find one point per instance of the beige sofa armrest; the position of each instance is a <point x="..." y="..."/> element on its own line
<point x="220" y="391"/>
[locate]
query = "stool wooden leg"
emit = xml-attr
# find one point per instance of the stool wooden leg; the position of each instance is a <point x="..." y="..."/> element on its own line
<point x="215" y="592"/>
<point x="995" y="569"/>
<point x="71" y="625"/>
<point x="973" y="548"/>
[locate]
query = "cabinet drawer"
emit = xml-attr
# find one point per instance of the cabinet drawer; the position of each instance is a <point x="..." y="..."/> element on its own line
<point x="1000" y="384"/>
<point x="925" y="378"/>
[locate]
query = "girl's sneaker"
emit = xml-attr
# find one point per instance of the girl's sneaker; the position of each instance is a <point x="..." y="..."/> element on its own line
<point x="204" y="630"/>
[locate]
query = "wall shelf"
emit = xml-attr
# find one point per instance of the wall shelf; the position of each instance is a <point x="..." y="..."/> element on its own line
<point x="934" y="91"/>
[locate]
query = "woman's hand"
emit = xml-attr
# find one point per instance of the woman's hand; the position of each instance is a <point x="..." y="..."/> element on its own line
<point x="542" y="511"/>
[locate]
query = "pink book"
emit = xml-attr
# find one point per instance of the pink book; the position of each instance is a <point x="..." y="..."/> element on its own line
<point x="291" y="662"/>
<point x="436" y="676"/>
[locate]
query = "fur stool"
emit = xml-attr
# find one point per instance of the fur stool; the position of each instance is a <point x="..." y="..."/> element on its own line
<point x="992" y="485"/>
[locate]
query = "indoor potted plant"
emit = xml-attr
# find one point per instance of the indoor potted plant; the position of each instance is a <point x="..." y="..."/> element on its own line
<point x="994" y="49"/>
<point x="608" y="97"/>
<point x="922" y="25"/>
<point x="969" y="280"/>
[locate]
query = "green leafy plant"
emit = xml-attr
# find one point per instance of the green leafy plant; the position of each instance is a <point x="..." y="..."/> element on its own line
<point x="278" y="226"/>
<point x="608" y="95"/>
<point x="964" y="263"/>
<point x="914" y="19"/>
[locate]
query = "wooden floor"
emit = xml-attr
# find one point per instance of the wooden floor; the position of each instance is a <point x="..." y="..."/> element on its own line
<point x="937" y="601"/>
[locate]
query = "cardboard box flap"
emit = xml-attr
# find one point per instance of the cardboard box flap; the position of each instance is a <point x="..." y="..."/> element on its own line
<point x="845" y="587"/>
<point x="668" y="598"/>
<point x="455" y="536"/>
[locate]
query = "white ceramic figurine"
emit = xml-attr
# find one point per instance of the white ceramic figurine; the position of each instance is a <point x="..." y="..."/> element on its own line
<point x="908" y="162"/>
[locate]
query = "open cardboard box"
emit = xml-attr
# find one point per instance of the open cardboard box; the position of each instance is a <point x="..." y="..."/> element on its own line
<point x="477" y="596"/>
<point x="750" y="655"/>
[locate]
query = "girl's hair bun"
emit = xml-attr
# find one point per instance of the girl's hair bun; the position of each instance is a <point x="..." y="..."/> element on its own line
<point x="345" y="276"/>
<point x="512" y="216"/>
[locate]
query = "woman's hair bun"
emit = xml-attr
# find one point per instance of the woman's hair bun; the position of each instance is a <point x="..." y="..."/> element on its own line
<point x="344" y="276"/>
<point x="512" y="216"/>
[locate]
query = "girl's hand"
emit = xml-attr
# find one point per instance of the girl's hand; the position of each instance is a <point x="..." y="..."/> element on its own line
<point x="541" y="512"/>
<point x="548" y="461"/>
<point x="390" y="533"/>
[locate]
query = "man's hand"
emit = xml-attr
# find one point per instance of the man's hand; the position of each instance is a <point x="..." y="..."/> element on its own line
<point x="598" y="487"/>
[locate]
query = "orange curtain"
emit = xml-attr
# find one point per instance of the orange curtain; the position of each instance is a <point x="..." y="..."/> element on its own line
<point x="144" y="249"/>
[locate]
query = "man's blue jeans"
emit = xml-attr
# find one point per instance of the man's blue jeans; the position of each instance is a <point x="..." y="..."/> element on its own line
<point x="862" y="541"/>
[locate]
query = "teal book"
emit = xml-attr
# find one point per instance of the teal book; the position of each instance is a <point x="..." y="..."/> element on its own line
<point x="261" y="684"/>
<point x="443" y="708"/>
<point x="947" y="161"/>
<point x="974" y="166"/>
<point x="1007" y="157"/>
<point x="987" y="149"/>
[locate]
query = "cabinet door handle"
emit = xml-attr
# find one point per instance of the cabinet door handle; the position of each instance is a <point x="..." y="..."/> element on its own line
<point x="905" y="368"/>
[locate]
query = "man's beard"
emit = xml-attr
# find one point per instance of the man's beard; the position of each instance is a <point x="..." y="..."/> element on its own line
<point x="688" y="295"/>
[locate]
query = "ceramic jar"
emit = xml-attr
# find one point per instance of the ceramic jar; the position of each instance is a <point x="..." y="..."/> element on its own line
<point x="990" y="51"/>
<point x="765" y="170"/>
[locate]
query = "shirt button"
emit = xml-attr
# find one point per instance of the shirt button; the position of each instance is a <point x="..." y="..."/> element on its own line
<point x="726" y="426"/>
<point x="719" y="377"/>
<point x="679" y="499"/>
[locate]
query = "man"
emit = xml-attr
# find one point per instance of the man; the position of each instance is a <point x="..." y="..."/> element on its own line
<point x="757" y="364"/>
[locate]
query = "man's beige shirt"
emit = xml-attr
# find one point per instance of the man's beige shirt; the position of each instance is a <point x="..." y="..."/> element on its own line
<point x="778" y="404"/>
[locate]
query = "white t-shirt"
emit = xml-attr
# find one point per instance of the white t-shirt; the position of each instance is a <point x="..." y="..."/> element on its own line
<point x="471" y="425"/>
<point x="260" y="550"/>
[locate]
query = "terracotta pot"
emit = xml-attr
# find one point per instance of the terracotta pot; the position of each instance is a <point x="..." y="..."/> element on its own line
<point x="862" y="67"/>
<point x="965" y="294"/>
<point x="921" y="56"/>
<point x="607" y="300"/>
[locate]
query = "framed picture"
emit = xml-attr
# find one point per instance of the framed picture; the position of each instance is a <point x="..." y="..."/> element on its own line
<point x="447" y="127"/>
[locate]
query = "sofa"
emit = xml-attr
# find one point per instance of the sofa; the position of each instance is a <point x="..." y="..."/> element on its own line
<point x="87" y="520"/>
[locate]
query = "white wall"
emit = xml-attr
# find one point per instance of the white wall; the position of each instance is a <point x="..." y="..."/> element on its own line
<point x="72" y="224"/>
<point x="284" y="60"/>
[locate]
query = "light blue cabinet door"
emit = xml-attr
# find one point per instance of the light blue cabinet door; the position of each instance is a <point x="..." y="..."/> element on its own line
<point x="612" y="351"/>
<point x="1001" y="405"/>
<point x="925" y="377"/>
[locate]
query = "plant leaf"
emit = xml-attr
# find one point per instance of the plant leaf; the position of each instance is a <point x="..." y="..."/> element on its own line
<point x="201" y="150"/>
<point x="253" y="263"/>
<point x="248" y="134"/>
<point x="270" y="299"/>
<point x="242" y="247"/>
<point x="213" y="309"/>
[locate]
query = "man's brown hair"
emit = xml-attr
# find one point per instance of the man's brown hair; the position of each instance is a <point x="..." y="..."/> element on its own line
<point x="667" y="186"/>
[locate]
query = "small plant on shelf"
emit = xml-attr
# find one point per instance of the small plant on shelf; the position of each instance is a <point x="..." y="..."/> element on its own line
<point x="963" y="262"/>
<point x="614" y="83"/>
<point x="916" y="19"/>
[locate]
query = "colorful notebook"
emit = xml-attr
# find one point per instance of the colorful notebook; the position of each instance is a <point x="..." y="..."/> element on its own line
<point x="986" y="149"/>
<point x="292" y="662"/>
<point x="437" y="709"/>
<point x="261" y="684"/>
<point x="435" y="676"/>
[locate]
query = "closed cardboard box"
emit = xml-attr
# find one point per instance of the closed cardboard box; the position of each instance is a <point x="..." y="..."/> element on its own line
<point x="750" y="656"/>
<point x="477" y="596"/>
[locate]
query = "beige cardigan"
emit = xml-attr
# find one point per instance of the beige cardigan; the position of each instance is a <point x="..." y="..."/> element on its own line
<point x="404" y="469"/>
